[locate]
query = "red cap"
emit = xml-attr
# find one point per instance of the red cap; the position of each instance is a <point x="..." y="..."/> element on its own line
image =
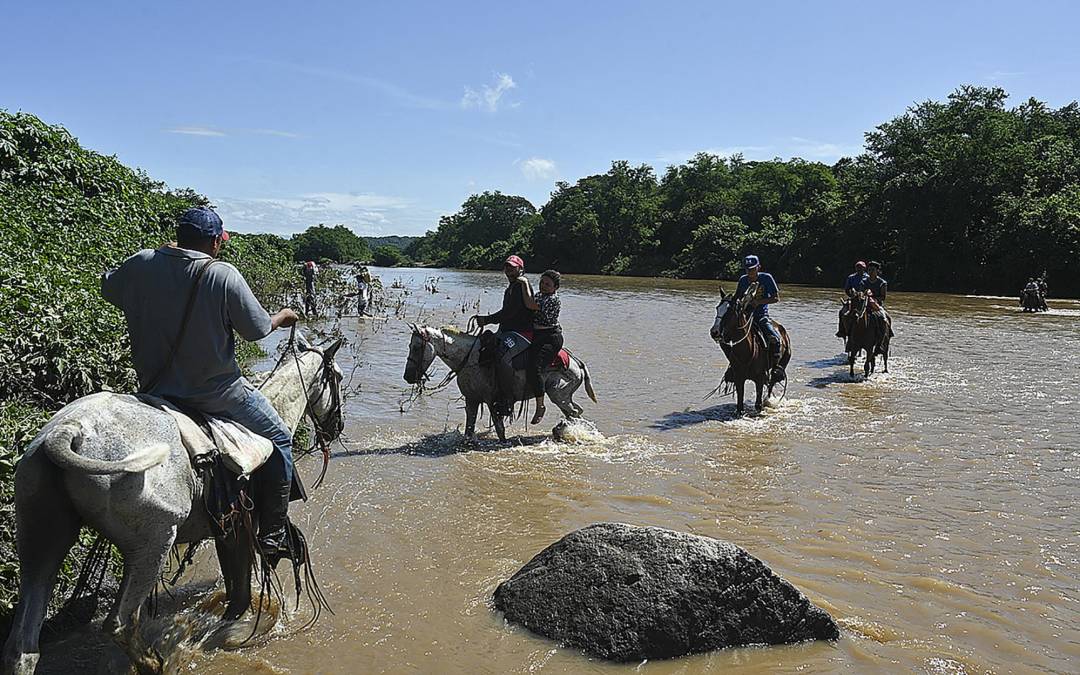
<point x="224" y="236"/>
<point x="860" y="265"/>
<point x="516" y="261"/>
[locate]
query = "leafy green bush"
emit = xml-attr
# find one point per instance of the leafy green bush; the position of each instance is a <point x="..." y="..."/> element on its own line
<point x="335" y="244"/>
<point x="68" y="214"/>
<point x="388" y="256"/>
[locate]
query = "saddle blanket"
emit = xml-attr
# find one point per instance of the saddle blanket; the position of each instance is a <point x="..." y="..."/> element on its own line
<point x="514" y="343"/>
<point x="242" y="451"/>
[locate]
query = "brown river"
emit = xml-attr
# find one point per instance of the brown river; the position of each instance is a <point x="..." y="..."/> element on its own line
<point x="931" y="510"/>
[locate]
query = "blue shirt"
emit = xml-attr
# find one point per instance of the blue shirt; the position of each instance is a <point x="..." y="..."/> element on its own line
<point x="768" y="287"/>
<point x="856" y="281"/>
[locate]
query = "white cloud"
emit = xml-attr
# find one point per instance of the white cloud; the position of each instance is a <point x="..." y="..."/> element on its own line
<point x="489" y="97"/>
<point x="389" y="89"/>
<point x="196" y="131"/>
<point x="536" y="168"/>
<point x="365" y="213"/>
<point x="275" y="132"/>
<point x="999" y="75"/>
<point x="811" y="149"/>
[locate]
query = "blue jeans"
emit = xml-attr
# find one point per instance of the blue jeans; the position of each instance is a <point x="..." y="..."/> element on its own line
<point x="767" y="329"/>
<point x="256" y="413"/>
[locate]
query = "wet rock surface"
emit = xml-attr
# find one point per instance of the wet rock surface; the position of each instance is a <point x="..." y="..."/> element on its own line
<point x="628" y="593"/>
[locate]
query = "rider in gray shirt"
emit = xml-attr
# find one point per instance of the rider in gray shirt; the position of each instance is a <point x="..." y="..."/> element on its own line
<point x="152" y="288"/>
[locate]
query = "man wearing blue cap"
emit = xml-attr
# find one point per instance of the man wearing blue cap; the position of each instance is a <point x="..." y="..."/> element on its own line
<point x="182" y="307"/>
<point x="766" y="293"/>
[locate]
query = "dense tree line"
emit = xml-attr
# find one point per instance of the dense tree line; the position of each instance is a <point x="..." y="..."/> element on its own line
<point x="957" y="195"/>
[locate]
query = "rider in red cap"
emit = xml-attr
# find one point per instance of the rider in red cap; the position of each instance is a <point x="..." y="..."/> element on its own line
<point x="515" y="314"/>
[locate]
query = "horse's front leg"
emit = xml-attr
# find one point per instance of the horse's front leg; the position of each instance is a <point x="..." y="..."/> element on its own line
<point x="739" y="395"/>
<point x="497" y="420"/>
<point x="760" y="384"/>
<point x="234" y="557"/>
<point x="868" y="365"/>
<point x="851" y="364"/>
<point x="472" y="408"/>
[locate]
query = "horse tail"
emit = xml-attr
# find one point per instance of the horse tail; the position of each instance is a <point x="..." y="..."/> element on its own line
<point x="588" y="381"/>
<point x="62" y="445"/>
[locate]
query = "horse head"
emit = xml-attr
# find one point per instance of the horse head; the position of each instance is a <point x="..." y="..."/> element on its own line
<point x="325" y="404"/>
<point x="421" y="354"/>
<point x="722" y="308"/>
<point x="858" y="303"/>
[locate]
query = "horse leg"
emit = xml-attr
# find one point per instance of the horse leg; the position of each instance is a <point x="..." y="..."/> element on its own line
<point x="472" y="408"/>
<point x="739" y="408"/>
<point x="868" y="365"/>
<point x="497" y="420"/>
<point x="851" y="364"/>
<point x="760" y="385"/>
<point x="47" y="526"/>
<point x="234" y="557"/>
<point x="143" y="559"/>
<point x="563" y="398"/>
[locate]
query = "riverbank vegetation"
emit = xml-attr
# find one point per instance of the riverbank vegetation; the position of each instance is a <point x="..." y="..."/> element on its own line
<point x="964" y="195"/>
<point x="66" y="215"/>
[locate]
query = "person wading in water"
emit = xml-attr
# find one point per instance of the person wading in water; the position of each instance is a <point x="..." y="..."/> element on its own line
<point x="547" y="335"/>
<point x="184" y="350"/>
<point x="308" y="271"/>
<point x="767" y="293"/>
<point x="514" y="316"/>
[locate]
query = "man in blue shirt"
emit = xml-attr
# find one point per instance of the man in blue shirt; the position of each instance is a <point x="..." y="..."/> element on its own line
<point x="856" y="281"/>
<point x="766" y="294"/>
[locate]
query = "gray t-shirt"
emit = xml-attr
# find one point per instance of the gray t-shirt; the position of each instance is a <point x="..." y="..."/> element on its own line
<point x="152" y="288"/>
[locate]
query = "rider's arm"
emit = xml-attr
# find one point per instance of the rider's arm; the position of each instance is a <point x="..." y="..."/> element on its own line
<point x="769" y="291"/>
<point x="527" y="294"/>
<point x="246" y="315"/>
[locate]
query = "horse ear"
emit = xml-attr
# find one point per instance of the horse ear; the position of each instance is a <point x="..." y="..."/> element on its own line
<point x="329" y="352"/>
<point x="413" y="327"/>
<point x="302" y="341"/>
<point x="723" y="295"/>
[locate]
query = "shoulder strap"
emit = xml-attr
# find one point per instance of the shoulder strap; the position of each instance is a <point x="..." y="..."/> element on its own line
<point x="180" y="333"/>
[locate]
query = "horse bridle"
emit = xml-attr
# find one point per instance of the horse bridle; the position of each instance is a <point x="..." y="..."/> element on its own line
<point x="453" y="370"/>
<point x="748" y="326"/>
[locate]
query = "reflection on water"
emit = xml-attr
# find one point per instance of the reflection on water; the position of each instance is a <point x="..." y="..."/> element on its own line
<point x="932" y="510"/>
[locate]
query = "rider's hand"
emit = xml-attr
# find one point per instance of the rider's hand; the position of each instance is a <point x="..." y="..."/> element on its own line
<point x="284" y="319"/>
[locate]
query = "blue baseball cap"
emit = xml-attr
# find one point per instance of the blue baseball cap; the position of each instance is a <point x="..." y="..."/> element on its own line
<point x="202" y="220"/>
<point x="750" y="261"/>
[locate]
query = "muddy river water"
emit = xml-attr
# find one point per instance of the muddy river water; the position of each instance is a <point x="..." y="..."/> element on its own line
<point x="933" y="510"/>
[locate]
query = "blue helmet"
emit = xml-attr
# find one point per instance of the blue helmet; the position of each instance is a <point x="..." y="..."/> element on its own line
<point x="751" y="261"/>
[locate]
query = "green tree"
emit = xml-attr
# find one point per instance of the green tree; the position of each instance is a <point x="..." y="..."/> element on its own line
<point x="337" y="244"/>
<point x="388" y="256"/>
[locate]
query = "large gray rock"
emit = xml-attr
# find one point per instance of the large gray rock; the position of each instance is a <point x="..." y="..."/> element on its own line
<point x="629" y="593"/>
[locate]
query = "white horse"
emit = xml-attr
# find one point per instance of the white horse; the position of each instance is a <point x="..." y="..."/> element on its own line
<point x="118" y="465"/>
<point x="460" y="351"/>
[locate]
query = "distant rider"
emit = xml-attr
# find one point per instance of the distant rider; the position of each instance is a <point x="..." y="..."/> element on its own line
<point x="200" y="371"/>
<point x="547" y="335"/>
<point x="768" y="293"/>
<point x="855" y="282"/>
<point x="879" y="288"/>
<point x="363" y="290"/>
<point x="1043" y="290"/>
<point x="513" y="316"/>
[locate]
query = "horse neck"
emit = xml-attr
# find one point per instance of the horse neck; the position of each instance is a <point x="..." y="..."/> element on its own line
<point x="453" y="349"/>
<point x="291" y="386"/>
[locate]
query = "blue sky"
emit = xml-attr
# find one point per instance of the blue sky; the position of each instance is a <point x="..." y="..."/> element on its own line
<point x="385" y="116"/>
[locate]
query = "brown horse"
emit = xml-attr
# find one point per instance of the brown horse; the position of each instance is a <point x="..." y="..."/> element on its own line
<point x="865" y="335"/>
<point x="746" y="350"/>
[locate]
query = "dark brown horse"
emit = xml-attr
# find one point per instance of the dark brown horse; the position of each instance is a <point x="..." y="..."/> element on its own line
<point x="745" y="348"/>
<point x="865" y="334"/>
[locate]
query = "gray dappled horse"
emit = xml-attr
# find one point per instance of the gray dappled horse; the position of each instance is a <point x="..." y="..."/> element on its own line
<point x="118" y="465"/>
<point x="460" y="351"/>
<point x="733" y="329"/>
<point x="862" y="331"/>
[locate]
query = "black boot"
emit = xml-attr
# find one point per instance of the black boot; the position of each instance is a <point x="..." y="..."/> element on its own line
<point x="273" y="539"/>
<point x="777" y="375"/>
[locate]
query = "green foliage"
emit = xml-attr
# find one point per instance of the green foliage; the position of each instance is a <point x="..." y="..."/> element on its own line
<point x="388" y="256"/>
<point x="963" y="194"/>
<point x="335" y="244"/>
<point x="67" y="215"/>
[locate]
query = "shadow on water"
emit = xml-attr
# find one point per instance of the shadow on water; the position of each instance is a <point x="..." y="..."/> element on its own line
<point x="839" y="377"/>
<point x="446" y="444"/>
<point x="831" y="362"/>
<point x="687" y="418"/>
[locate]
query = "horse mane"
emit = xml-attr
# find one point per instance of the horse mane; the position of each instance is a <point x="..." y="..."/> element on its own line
<point x="453" y="330"/>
